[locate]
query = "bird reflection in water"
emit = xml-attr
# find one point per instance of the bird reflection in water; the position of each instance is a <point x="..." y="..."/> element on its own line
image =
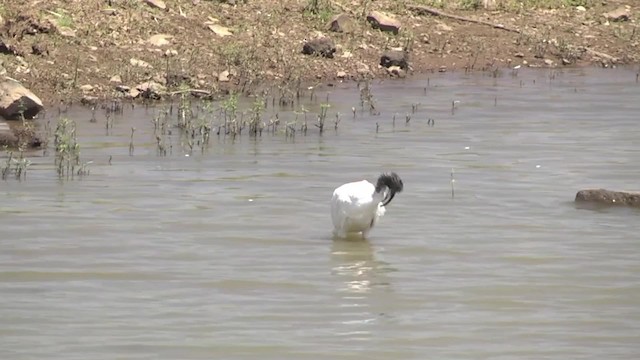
<point x="365" y="292"/>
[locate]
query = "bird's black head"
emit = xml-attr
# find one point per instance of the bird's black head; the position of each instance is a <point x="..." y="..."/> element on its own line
<point x="392" y="182"/>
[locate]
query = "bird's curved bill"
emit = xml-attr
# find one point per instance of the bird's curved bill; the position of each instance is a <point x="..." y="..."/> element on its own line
<point x="388" y="198"/>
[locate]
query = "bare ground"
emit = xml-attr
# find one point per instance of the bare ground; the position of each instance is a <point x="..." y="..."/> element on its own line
<point x="67" y="50"/>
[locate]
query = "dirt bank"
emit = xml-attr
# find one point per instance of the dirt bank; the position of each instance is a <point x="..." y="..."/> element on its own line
<point x="101" y="49"/>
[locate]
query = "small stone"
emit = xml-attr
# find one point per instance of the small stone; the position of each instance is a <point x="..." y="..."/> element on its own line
<point x="159" y="40"/>
<point x="396" y="71"/>
<point x="346" y="55"/>
<point x="123" y="88"/>
<point x="159" y="4"/>
<point x="566" y="61"/>
<point x="342" y="23"/>
<point x="170" y="52"/>
<point x="619" y="14"/>
<point x="86" y="88"/>
<point x="384" y="22"/>
<point x="134" y="93"/>
<point x="89" y="100"/>
<point x="341" y="74"/>
<point x="223" y="76"/>
<point x="548" y="62"/>
<point x="139" y="63"/>
<point x="444" y="27"/>
<point x="442" y="69"/>
<point x="581" y="8"/>
<point x="151" y="89"/>
<point x="321" y="46"/>
<point x="116" y="79"/>
<point x="220" y="30"/>
<point x="362" y="68"/>
<point x="109" y="11"/>
<point x="66" y="32"/>
<point x="518" y="55"/>
<point x="395" y="58"/>
<point x="39" y="49"/>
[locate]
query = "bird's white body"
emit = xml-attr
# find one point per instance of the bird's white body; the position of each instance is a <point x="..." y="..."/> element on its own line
<point x="355" y="208"/>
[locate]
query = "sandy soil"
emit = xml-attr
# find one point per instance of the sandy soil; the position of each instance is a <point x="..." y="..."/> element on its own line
<point x="67" y="50"/>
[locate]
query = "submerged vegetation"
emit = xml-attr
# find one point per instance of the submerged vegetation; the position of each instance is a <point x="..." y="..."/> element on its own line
<point x="67" y="150"/>
<point x="188" y="125"/>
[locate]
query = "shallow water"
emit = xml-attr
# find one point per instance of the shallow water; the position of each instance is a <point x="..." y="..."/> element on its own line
<point x="228" y="253"/>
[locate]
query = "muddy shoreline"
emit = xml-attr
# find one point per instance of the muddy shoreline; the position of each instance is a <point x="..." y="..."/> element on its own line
<point x="90" y="52"/>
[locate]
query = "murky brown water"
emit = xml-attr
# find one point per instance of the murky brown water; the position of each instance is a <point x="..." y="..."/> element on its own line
<point x="229" y="255"/>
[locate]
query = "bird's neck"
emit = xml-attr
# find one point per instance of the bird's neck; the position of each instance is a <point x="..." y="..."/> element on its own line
<point x="379" y="196"/>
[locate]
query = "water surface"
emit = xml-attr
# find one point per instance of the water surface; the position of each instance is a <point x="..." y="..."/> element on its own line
<point x="227" y="253"/>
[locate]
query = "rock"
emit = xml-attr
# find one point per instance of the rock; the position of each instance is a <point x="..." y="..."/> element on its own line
<point x="363" y="69"/>
<point x="341" y="75"/>
<point x="116" y="79"/>
<point x="384" y="22"/>
<point x="548" y="62"/>
<point x="395" y="58"/>
<point x="519" y="55"/>
<point x="346" y="55"/>
<point x="15" y="98"/>
<point x="123" y="88"/>
<point x="396" y="71"/>
<point x="444" y="27"/>
<point x="151" y="90"/>
<point x="566" y="61"/>
<point x="109" y="11"/>
<point x="39" y="49"/>
<point x="581" y="8"/>
<point x="7" y="137"/>
<point x="159" y="4"/>
<point x="223" y="76"/>
<point x="220" y="30"/>
<point x="159" y="40"/>
<point x="139" y="63"/>
<point x="177" y="79"/>
<point x="619" y="14"/>
<point x="170" y="52"/>
<point x="342" y="23"/>
<point x="608" y="197"/>
<point x="9" y="49"/>
<point x="134" y="93"/>
<point x="88" y="100"/>
<point x="86" y="88"/>
<point x="320" y="46"/>
<point x="66" y="31"/>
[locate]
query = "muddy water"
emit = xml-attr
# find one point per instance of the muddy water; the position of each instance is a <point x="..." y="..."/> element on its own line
<point x="227" y="253"/>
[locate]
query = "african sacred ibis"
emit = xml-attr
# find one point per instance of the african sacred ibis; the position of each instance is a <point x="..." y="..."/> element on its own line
<point x="357" y="206"/>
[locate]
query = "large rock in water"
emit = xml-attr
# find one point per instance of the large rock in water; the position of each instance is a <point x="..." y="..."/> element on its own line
<point x="15" y="98"/>
<point x="608" y="197"/>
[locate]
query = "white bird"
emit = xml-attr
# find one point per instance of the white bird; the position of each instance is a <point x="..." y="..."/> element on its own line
<point x="357" y="206"/>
